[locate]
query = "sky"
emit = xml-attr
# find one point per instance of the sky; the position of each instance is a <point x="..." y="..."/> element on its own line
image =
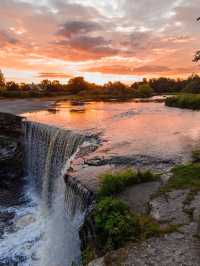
<point x="100" y="40"/>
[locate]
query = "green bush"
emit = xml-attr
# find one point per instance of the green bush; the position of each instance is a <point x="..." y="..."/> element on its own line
<point x="144" y="91"/>
<point x="115" y="224"/>
<point x="113" y="183"/>
<point x="189" y="101"/>
<point x="196" y="156"/>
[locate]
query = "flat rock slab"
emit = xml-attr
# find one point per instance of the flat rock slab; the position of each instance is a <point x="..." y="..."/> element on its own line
<point x="171" y="250"/>
<point x="170" y="208"/>
<point x="138" y="197"/>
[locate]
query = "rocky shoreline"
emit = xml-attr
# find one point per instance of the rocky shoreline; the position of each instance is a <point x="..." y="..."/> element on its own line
<point x="180" y="247"/>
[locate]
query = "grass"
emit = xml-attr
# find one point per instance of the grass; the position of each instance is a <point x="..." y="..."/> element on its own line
<point x="196" y="156"/>
<point x="113" y="183"/>
<point x="188" y="101"/>
<point x="184" y="177"/>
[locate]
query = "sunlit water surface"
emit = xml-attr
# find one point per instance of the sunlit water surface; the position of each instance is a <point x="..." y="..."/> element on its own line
<point x="129" y="127"/>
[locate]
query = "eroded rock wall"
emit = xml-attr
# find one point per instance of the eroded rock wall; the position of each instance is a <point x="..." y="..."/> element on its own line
<point x="11" y="157"/>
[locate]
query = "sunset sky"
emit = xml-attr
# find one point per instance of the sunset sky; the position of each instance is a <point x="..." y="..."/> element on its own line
<point x="99" y="39"/>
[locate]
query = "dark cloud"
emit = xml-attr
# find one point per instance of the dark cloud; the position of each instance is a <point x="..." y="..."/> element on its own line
<point x="87" y="42"/>
<point x="7" y="38"/>
<point x="70" y="28"/>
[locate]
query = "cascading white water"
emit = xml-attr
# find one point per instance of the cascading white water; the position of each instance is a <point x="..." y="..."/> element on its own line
<point x="52" y="236"/>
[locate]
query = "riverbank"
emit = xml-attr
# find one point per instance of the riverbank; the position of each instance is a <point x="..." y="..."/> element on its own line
<point x="184" y="101"/>
<point x="173" y="205"/>
<point x="18" y="106"/>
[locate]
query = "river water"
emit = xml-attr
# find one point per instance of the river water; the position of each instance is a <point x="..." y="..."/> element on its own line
<point x="130" y="127"/>
<point x="44" y="232"/>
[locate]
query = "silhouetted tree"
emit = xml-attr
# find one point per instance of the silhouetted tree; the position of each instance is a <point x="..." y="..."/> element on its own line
<point x="12" y="86"/>
<point x="76" y="85"/>
<point x="193" y="84"/>
<point x="2" y="80"/>
<point x="45" y="85"/>
<point x="197" y="55"/>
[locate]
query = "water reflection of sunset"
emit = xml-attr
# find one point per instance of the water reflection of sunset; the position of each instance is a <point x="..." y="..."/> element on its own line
<point x="136" y="128"/>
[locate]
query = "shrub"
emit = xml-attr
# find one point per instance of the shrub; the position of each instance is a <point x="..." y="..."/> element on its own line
<point x="196" y="156"/>
<point x="115" y="224"/>
<point x="144" y="91"/>
<point x="189" y="101"/>
<point x="113" y="183"/>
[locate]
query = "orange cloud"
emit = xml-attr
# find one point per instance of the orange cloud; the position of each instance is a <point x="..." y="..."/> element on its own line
<point x="99" y="37"/>
<point x="54" y="75"/>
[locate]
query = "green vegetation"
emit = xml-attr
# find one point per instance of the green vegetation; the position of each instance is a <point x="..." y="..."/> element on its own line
<point x="79" y="88"/>
<point x="144" y="91"/>
<point x="113" y="183"/>
<point x="184" y="177"/>
<point x="88" y="255"/>
<point x="189" y="101"/>
<point x="114" y="223"/>
<point x="196" y="156"/>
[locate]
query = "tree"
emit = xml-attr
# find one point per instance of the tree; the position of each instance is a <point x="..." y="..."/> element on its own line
<point x="144" y="91"/>
<point x="193" y="84"/>
<point x="78" y="84"/>
<point x="197" y="55"/>
<point x="165" y="85"/>
<point x="45" y="85"/>
<point x="2" y="80"/>
<point x="12" y="86"/>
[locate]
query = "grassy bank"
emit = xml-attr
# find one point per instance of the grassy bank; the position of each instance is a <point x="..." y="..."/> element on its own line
<point x="114" y="223"/>
<point x="186" y="101"/>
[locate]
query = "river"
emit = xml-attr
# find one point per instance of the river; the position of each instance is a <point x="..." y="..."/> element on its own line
<point x="45" y="233"/>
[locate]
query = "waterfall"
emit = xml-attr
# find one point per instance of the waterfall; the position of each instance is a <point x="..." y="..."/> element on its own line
<point x="63" y="205"/>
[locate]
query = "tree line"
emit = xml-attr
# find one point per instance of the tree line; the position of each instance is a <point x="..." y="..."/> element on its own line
<point x="78" y="86"/>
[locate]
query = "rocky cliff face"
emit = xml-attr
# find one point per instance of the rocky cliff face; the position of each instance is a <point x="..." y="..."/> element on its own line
<point x="11" y="158"/>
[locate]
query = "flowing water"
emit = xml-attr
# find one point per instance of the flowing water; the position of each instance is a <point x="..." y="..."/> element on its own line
<point x="46" y="228"/>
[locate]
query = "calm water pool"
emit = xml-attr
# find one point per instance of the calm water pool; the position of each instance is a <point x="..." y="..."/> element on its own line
<point x="150" y="129"/>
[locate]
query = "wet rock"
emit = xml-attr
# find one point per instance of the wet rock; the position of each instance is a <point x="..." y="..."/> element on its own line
<point x="11" y="158"/>
<point x="10" y="125"/>
<point x="98" y="262"/>
<point x="136" y="160"/>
